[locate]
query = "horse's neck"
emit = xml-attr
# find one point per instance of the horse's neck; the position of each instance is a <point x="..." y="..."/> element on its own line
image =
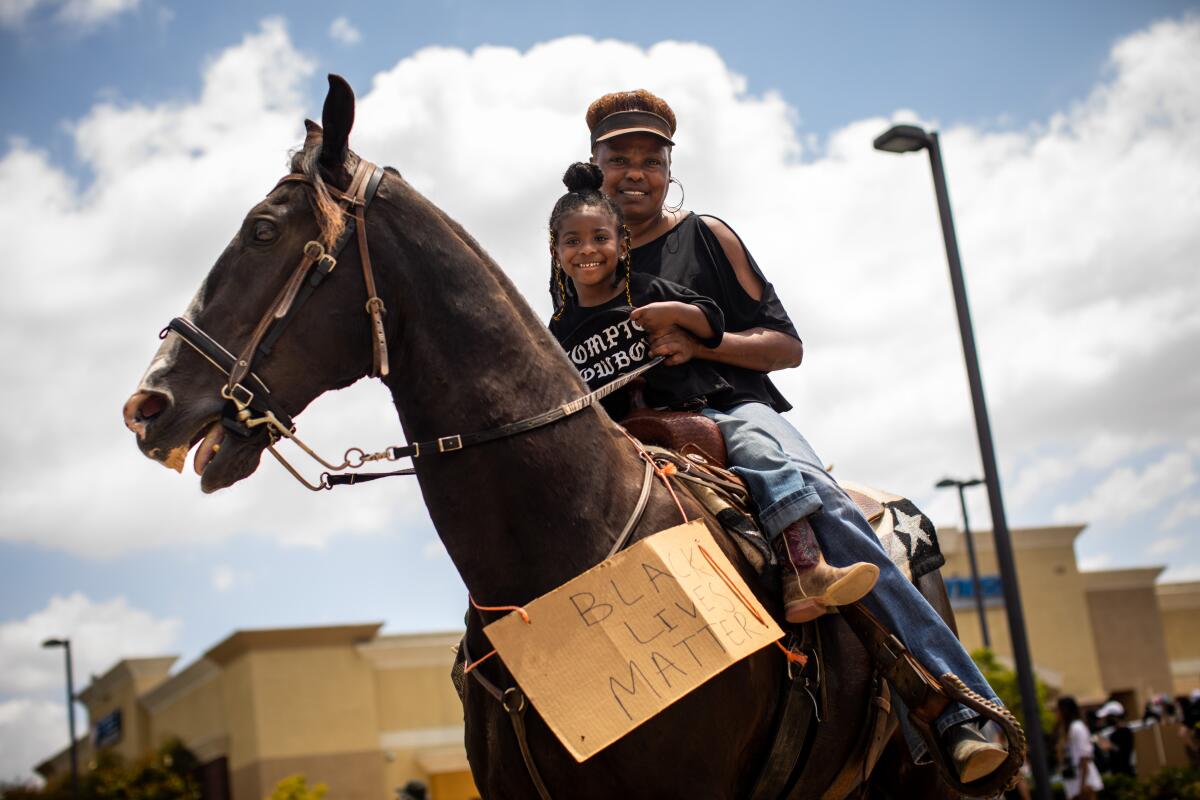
<point x="521" y="515"/>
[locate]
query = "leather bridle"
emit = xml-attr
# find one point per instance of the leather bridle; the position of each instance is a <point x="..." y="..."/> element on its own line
<point x="249" y="404"/>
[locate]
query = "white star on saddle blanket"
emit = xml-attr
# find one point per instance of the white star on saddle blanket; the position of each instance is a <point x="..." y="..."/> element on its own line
<point x="911" y="525"/>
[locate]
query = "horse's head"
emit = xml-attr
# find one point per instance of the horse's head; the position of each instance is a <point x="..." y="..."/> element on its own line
<point x="183" y="399"/>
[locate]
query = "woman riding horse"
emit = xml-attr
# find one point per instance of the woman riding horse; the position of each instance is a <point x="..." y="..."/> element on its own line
<point x="631" y="142"/>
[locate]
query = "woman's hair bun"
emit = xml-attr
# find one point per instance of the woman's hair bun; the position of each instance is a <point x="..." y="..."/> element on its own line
<point x="583" y="177"/>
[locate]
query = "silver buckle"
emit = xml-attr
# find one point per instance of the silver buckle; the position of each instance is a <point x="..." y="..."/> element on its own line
<point x="447" y="444"/>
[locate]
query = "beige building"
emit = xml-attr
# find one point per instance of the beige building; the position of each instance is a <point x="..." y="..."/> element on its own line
<point x="1180" y="607"/>
<point x="1092" y="634"/>
<point x="342" y="705"/>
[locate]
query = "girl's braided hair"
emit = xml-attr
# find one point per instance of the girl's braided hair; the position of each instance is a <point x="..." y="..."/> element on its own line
<point x="583" y="182"/>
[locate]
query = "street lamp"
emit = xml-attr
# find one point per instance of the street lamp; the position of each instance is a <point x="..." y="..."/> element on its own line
<point x="908" y="139"/>
<point x="976" y="587"/>
<point x="65" y="644"/>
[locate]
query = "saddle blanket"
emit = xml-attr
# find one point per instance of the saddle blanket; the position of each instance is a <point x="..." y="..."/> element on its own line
<point x="908" y="536"/>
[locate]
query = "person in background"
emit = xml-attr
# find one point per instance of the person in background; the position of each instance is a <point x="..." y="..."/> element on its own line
<point x="1080" y="777"/>
<point x="1117" y="738"/>
<point x="1189" y="727"/>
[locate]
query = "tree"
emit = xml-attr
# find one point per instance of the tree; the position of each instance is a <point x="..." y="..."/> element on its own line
<point x="166" y="774"/>
<point x="1004" y="682"/>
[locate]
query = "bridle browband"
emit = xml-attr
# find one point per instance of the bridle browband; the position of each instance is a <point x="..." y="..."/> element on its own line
<point x="249" y="404"/>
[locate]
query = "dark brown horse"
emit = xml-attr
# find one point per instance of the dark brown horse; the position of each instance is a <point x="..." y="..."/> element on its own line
<point x="519" y="516"/>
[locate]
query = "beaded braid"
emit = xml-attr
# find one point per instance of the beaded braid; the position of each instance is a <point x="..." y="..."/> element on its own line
<point x="626" y="259"/>
<point x="556" y="277"/>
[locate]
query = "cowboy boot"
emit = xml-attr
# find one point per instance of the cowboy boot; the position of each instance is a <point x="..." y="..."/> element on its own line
<point x="810" y="585"/>
<point x="974" y="755"/>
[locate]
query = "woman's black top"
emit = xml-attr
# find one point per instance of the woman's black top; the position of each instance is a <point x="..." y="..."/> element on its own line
<point x="690" y="254"/>
<point x="603" y="343"/>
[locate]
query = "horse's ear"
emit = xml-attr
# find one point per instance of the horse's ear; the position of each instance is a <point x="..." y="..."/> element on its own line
<point x="312" y="134"/>
<point x="337" y="118"/>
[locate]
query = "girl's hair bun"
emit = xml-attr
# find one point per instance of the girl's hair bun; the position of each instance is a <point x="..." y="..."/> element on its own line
<point x="583" y="177"/>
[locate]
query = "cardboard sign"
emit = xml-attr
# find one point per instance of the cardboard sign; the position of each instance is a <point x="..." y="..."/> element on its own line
<point x="608" y="650"/>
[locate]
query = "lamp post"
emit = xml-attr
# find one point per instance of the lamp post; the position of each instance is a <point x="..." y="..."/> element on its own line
<point x="976" y="587"/>
<point x="908" y="139"/>
<point x="65" y="644"/>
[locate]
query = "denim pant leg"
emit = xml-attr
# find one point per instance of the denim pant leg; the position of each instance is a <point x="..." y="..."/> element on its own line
<point x="775" y="480"/>
<point x="846" y="537"/>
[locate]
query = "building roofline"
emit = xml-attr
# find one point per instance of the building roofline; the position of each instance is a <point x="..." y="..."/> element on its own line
<point x="409" y="650"/>
<point x="125" y="671"/>
<point x="241" y="642"/>
<point x="1109" y="580"/>
<point x="1177" y="595"/>
<point x="1028" y="538"/>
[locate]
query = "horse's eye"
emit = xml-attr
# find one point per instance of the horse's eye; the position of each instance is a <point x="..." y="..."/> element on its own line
<point x="264" y="231"/>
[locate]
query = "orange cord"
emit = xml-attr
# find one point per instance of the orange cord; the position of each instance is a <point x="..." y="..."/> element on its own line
<point x="477" y="662"/>
<point x="524" y="614"/>
<point x="729" y="582"/>
<point x="793" y="657"/>
<point x="663" y="472"/>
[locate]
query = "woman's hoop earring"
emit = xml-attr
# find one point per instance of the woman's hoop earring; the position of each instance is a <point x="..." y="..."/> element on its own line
<point x="682" y="194"/>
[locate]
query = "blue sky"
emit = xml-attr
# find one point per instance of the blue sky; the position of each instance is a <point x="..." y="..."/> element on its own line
<point x="987" y="63"/>
<point x="1094" y="422"/>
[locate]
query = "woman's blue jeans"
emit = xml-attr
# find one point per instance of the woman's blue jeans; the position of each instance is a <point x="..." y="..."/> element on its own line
<point x="846" y="537"/>
<point x="774" y="479"/>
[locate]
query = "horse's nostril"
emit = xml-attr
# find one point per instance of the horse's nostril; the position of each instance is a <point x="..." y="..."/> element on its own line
<point x="142" y="407"/>
<point x="152" y="406"/>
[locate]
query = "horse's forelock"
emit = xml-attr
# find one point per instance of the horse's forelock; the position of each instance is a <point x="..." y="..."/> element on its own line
<point x="329" y="214"/>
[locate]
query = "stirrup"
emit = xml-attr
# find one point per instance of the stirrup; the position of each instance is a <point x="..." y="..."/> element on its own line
<point x="1002" y="779"/>
<point x="927" y="697"/>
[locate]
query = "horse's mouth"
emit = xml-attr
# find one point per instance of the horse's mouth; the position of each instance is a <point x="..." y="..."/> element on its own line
<point x="210" y="446"/>
<point x="219" y="460"/>
<point x="222" y="460"/>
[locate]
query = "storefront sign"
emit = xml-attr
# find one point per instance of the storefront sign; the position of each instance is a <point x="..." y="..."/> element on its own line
<point x="962" y="591"/>
<point x="108" y="730"/>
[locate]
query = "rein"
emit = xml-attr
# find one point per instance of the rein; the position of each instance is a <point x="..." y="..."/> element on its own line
<point x="249" y="404"/>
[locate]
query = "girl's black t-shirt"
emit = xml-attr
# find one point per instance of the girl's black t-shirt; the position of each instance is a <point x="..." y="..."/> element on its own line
<point x="603" y="343"/>
<point x="690" y="254"/>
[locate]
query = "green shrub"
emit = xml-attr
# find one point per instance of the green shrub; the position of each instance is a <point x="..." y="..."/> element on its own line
<point x="295" y="787"/>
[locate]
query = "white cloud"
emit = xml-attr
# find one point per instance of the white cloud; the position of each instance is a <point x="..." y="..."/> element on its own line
<point x="343" y="32"/>
<point x="225" y="577"/>
<point x="1095" y="562"/>
<point x="79" y="13"/>
<point x="31" y="731"/>
<point x="1183" y="511"/>
<point x="1080" y="273"/>
<point x="1126" y="491"/>
<point x="101" y="634"/>
<point x="1167" y="544"/>
<point x="434" y="550"/>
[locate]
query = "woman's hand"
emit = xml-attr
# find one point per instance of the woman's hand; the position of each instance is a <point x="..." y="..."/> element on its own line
<point x="657" y="318"/>
<point x="675" y="344"/>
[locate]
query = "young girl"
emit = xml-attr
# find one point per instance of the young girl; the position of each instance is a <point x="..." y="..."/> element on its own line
<point x="1081" y="779"/>
<point x="603" y="323"/>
